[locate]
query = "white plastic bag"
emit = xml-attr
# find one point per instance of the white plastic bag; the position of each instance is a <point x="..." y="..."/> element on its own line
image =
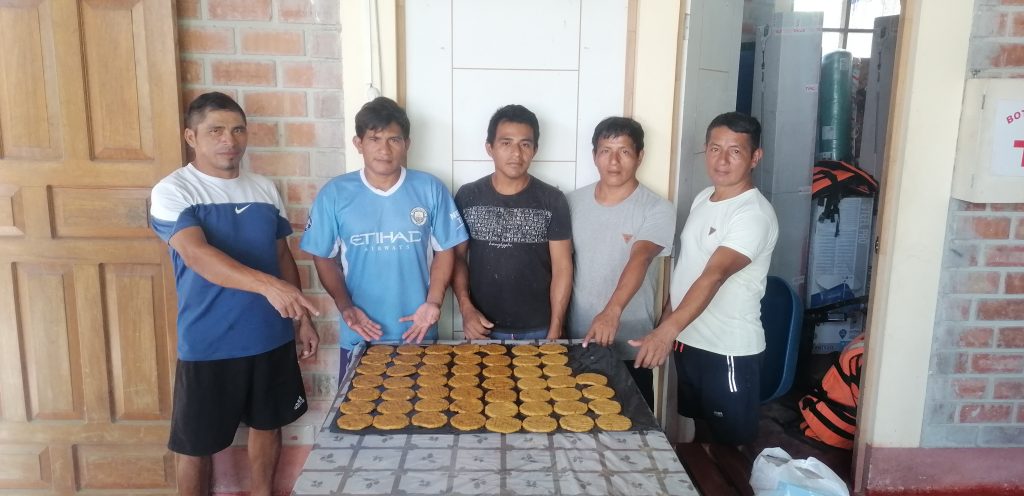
<point x="775" y="473"/>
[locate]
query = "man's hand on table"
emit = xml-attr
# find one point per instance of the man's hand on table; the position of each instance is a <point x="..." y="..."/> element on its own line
<point x="654" y="348"/>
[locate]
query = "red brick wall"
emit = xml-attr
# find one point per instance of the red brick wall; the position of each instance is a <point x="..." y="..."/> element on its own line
<point x="281" y="59"/>
<point x="976" y="391"/>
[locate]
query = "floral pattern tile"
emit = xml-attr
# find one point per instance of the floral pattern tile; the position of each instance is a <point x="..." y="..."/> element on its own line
<point x="432" y="441"/>
<point x="328" y="459"/>
<point x="527" y="460"/>
<point x="370" y="482"/>
<point x="384" y="441"/>
<point x="480" y="441"/>
<point x="627" y="461"/>
<point x="531" y="483"/>
<point x="370" y="459"/>
<point x="528" y="441"/>
<point x="465" y="483"/>
<point x="478" y="460"/>
<point x="567" y="461"/>
<point x="428" y="459"/>
<point x="309" y="483"/>
<point x="582" y="484"/>
<point x="635" y="484"/>
<point x="424" y="483"/>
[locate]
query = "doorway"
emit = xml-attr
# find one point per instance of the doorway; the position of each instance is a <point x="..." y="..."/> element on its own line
<point x="776" y="60"/>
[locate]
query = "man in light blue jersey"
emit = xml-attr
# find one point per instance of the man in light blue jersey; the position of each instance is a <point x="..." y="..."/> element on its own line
<point x="238" y="297"/>
<point x="382" y="237"/>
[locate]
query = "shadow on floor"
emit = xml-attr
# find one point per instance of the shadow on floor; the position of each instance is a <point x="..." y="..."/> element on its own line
<point x="725" y="471"/>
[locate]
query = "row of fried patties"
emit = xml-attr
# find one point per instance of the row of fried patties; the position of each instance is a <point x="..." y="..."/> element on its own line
<point x="539" y="379"/>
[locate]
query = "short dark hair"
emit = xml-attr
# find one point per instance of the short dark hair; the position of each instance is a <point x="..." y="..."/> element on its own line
<point x="737" y="123"/>
<point x="206" y="102"/>
<point x="613" y="127"/>
<point x="380" y="113"/>
<point x="513" y="113"/>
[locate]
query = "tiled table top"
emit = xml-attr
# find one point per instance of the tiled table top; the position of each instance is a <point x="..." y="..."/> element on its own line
<point x="633" y="463"/>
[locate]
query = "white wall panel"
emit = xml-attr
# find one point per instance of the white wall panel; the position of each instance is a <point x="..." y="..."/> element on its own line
<point x="563" y="59"/>
<point x="467" y="171"/>
<point x="602" y="75"/>
<point x="429" y="98"/>
<point x="522" y="34"/>
<point x="549" y="94"/>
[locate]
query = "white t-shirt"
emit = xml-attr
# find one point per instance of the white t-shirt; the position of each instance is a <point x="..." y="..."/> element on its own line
<point x="731" y="324"/>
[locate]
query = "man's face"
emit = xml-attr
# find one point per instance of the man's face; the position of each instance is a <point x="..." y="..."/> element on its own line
<point x="513" y="149"/>
<point x="730" y="157"/>
<point x="384" y="150"/>
<point x="616" y="160"/>
<point x="219" y="142"/>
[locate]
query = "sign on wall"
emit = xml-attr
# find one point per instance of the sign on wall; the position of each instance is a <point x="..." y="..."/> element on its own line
<point x="990" y="144"/>
<point x="1008" y="138"/>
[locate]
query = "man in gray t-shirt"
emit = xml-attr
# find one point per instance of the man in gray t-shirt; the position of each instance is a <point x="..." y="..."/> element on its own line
<point x="619" y="227"/>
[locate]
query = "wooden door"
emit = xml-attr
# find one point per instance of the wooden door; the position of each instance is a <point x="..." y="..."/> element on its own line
<point x="89" y="113"/>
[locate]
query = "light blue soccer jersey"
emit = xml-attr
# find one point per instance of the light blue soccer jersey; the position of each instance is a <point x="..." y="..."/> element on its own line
<point x="385" y="241"/>
<point x="242" y="217"/>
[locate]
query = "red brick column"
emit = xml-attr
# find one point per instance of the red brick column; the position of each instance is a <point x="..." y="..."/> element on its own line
<point x="281" y="59"/>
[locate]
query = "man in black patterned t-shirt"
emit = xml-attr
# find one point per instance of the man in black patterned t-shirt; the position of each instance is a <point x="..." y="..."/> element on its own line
<point x="513" y="277"/>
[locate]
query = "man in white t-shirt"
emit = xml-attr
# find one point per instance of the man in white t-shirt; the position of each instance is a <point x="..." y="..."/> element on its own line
<point x="714" y="322"/>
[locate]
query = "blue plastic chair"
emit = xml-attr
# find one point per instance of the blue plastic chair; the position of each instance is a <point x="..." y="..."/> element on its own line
<point x="782" y="318"/>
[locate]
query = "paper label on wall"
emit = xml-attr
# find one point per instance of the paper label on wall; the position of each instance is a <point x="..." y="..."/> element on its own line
<point x="1008" y="138"/>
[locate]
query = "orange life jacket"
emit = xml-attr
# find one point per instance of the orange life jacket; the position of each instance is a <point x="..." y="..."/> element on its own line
<point x="830" y="412"/>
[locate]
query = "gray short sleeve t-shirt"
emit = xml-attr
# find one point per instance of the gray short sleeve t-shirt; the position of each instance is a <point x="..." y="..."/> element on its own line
<point x="602" y="238"/>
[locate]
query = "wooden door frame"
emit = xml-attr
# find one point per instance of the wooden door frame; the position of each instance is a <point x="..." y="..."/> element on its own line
<point x="931" y="65"/>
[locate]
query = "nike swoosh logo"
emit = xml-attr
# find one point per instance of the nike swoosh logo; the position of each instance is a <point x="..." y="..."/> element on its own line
<point x="240" y="210"/>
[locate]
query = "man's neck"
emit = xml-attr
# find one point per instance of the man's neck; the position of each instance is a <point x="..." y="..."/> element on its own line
<point x="218" y="173"/>
<point x="727" y="192"/>
<point x="508" y="186"/>
<point x="382" y="182"/>
<point x="608" y="195"/>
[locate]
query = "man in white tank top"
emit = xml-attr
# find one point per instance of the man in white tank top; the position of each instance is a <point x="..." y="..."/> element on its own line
<point x="714" y="319"/>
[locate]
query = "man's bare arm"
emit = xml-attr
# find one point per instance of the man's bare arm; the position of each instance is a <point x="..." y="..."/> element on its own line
<point x="220" y="269"/>
<point x="561" y="284"/>
<point x="305" y="336"/>
<point x="430" y="311"/>
<point x="654" y="348"/>
<point x="605" y="324"/>
<point x="333" y="280"/>
<point x="474" y="324"/>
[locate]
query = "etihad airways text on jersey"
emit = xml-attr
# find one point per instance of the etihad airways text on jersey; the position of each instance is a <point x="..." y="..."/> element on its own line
<point x="393" y="237"/>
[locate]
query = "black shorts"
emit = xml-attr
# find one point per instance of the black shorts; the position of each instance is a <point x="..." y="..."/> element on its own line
<point x="722" y="390"/>
<point x="212" y="397"/>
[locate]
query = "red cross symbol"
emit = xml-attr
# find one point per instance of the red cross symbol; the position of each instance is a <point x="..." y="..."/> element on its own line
<point x="1019" y="144"/>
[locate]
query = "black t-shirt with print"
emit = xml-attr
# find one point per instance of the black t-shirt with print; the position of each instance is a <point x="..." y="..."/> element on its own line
<point x="509" y="259"/>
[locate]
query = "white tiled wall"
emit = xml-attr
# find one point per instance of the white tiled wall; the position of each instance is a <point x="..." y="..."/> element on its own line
<point x="563" y="59"/>
<point x="519" y="34"/>
<point x="549" y="94"/>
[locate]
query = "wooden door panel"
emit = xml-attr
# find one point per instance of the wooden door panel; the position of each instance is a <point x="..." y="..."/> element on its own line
<point x="28" y="86"/>
<point x="12" y="223"/>
<point x="137" y="337"/>
<point x="100" y="212"/>
<point x="89" y="122"/>
<point x="50" y="353"/>
<point x="25" y="466"/>
<point x="113" y="467"/>
<point x="120" y="112"/>
<point x="115" y="73"/>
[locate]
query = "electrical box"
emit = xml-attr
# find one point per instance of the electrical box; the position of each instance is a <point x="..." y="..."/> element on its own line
<point x="989" y="165"/>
